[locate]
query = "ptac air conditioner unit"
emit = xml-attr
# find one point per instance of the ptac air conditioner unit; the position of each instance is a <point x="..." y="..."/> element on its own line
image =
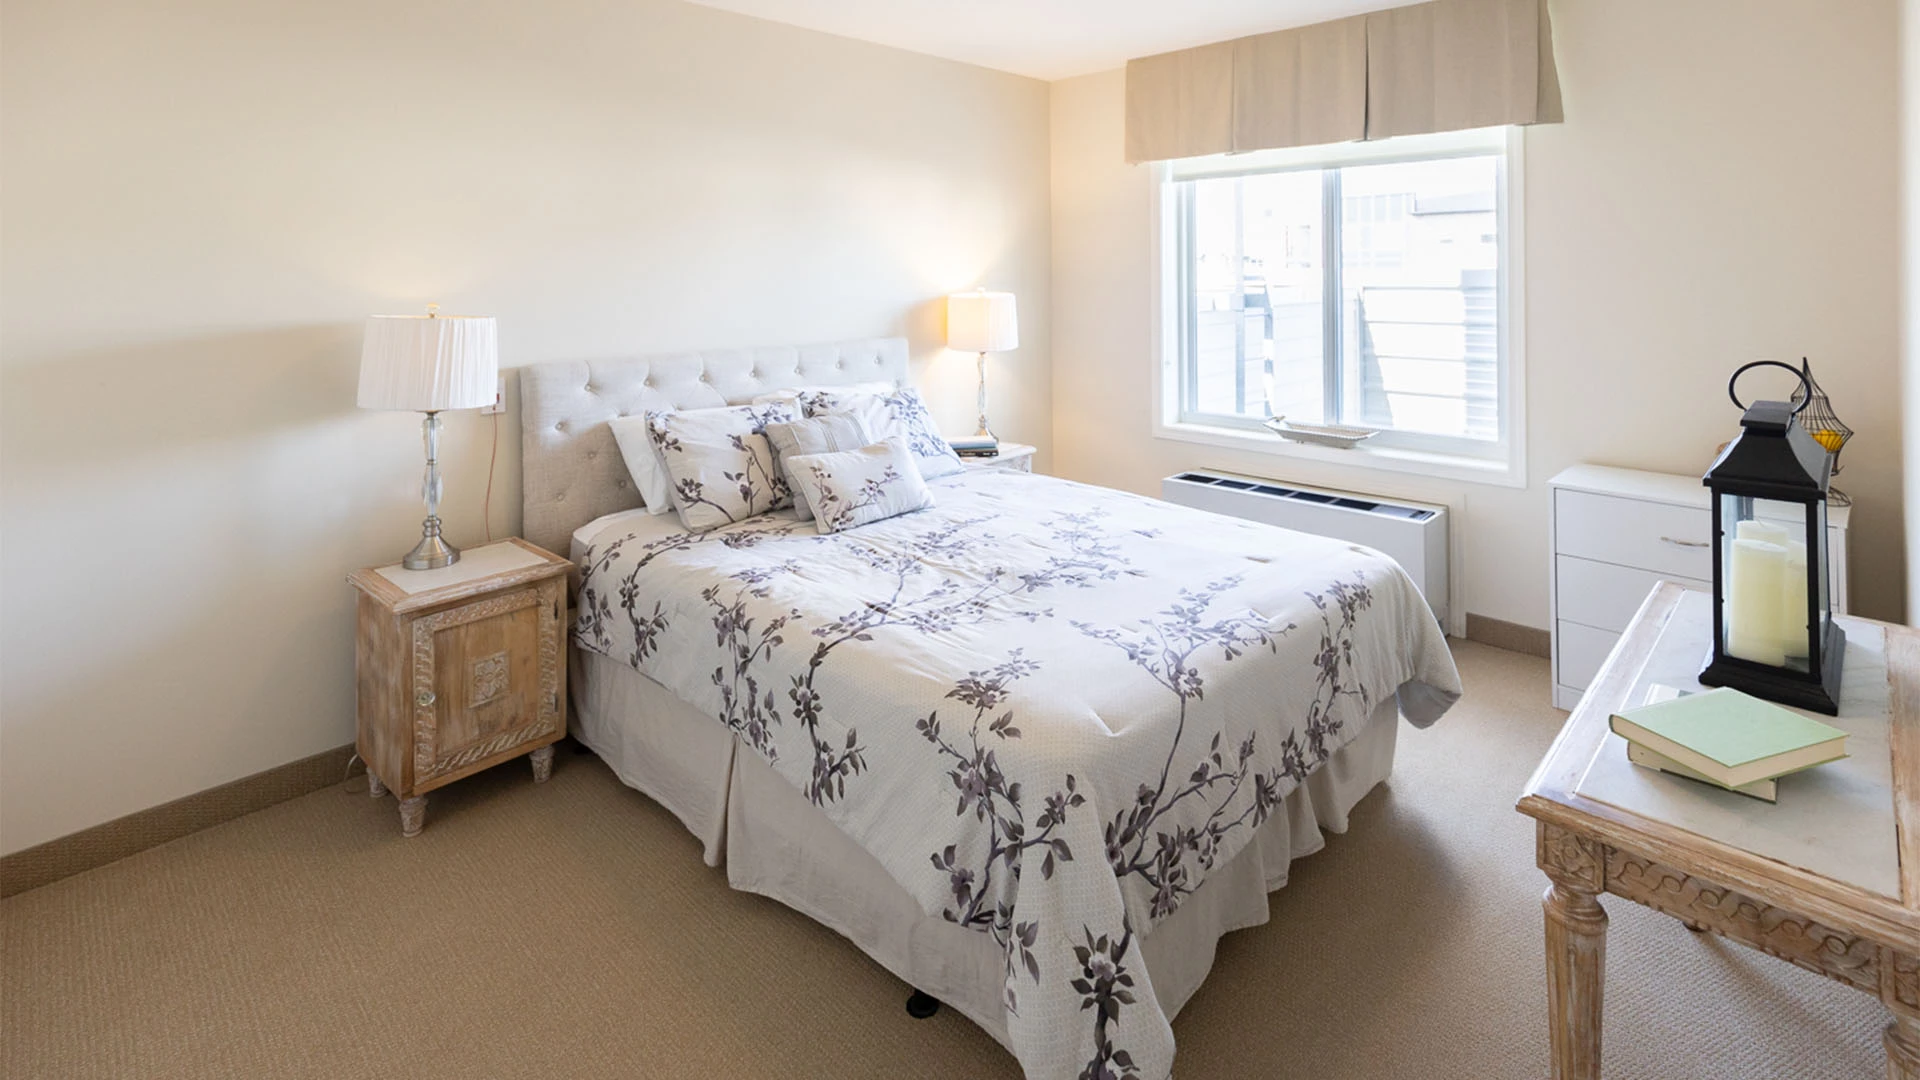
<point x="1412" y="534"/>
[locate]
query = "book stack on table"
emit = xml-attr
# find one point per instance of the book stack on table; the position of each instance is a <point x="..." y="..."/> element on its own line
<point x="1725" y="738"/>
<point x="975" y="446"/>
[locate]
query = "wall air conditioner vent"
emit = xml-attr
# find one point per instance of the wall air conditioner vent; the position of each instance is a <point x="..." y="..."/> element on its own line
<point x="1345" y="502"/>
<point x="1412" y="534"/>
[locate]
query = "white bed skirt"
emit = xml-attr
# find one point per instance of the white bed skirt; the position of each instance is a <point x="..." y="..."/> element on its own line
<point x="773" y="842"/>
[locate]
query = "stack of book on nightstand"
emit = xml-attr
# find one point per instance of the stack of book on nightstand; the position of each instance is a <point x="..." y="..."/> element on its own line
<point x="975" y="446"/>
<point x="1725" y="738"/>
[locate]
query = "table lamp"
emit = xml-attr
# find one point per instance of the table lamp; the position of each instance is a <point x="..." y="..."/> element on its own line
<point x="982" y="322"/>
<point x="429" y="363"/>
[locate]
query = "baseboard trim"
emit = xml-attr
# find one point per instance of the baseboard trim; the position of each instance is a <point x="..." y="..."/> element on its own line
<point x="114" y="840"/>
<point x="1513" y="637"/>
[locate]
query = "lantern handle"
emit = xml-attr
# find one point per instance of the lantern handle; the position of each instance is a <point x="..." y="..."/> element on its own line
<point x="1805" y="384"/>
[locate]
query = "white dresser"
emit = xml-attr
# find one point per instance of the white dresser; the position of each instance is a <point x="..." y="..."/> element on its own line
<point x="1615" y="532"/>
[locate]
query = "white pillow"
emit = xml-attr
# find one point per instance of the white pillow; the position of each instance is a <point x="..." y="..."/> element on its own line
<point x="850" y="488"/>
<point x="819" y="435"/>
<point x="793" y="393"/>
<point x="900" y="412"/>
<point x="720" y="463"/>
<point x="643" y="462"/>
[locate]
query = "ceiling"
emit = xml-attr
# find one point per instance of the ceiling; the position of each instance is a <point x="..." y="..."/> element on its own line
<point x="1047" y="39"/>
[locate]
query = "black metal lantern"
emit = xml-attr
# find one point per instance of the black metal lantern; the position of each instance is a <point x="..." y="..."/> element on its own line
<point x="1773" y="629"/>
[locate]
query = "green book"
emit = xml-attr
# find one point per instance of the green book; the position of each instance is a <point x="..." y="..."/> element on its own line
<point x="1764" y="790"/>
<point x="1731" y="738"/>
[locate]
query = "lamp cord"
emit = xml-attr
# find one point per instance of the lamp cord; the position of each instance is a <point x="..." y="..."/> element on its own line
<point x="486" y="506"/>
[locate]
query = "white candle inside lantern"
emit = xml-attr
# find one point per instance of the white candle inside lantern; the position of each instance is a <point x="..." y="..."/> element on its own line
<point x="1755" y="596"/>
<point x="1793" y="602"/>
<point x="1766" y="531"/>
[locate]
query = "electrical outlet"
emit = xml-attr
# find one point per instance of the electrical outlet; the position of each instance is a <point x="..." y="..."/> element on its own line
<point x="499" y="398"/>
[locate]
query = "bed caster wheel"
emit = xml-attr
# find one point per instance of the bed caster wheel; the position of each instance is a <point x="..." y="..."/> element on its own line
<point x="920" y="1006"/>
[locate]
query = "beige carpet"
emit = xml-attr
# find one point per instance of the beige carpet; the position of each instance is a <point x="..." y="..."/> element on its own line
<point x="571" y="930"/>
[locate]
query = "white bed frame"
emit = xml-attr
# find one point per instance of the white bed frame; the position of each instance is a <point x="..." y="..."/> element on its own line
<point x="770" y="839"/>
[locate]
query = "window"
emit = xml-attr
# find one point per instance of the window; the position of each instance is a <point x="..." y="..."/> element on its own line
<point x="1363" y="284"/>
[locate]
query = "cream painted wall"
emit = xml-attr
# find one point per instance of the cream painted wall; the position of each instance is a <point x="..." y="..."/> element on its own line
<point x="1910" y="283"/>
<point x="1724" y="189"/>
<point x="202" y="200"/>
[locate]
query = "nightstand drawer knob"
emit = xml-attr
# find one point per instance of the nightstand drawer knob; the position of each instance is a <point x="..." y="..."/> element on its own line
<point x="424" y="698"/>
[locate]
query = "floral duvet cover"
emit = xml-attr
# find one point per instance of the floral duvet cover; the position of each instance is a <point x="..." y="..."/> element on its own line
<point x="1047" y="709"/>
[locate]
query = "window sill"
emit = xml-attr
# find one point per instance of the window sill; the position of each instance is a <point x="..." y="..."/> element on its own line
<point x="1474" y="470"/>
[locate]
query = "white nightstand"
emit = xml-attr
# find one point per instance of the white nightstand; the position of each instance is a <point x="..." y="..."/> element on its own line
<point x="1012" y="455"/>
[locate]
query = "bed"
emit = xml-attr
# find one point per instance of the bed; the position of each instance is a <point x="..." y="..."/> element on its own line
<point x="1034" y="749"/>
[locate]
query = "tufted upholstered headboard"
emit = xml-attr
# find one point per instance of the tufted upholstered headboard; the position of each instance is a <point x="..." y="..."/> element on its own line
<point x="570" y="468"/>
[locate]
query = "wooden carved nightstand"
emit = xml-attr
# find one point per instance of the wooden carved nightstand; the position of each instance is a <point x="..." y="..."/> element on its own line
<point x="460" y="668"/>
<point x="1014" y="456"/>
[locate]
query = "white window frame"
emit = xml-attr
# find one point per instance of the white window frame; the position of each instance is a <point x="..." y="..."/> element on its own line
<point x="1502" y="462"/>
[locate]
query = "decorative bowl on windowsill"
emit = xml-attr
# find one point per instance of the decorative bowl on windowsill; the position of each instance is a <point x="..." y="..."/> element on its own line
<point x="1335" y="435"/>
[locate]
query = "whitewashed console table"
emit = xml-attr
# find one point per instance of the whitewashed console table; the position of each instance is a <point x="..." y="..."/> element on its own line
<point x="1828" y="878"/>
<point x="1614" y="533"/>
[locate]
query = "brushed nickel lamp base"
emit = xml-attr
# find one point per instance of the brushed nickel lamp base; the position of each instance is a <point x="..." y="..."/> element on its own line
<point x="433" y="551"/>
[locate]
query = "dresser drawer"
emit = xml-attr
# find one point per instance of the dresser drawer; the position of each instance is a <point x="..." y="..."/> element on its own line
<point x="1660" y="537"/>
<point x="1605" y="596"/>
<point x="1582" y="650"/>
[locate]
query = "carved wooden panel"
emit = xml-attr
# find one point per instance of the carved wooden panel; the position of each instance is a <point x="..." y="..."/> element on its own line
<point x="468" y="708"/>
<point x="1900" y="982"/>
<point x="487" y="678"/>
<point x="1801" y="941"/>
<point x="1576" y="860"/>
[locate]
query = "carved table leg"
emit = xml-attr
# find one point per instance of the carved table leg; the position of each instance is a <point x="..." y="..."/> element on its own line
<point x="374" y="787"/>
<point x="1576" y="973"/>
<point x="1900" y="992"/>
<point x="1903" y="1049"/>
<point x="543" y="764"/>
<point x="413" y="815"/>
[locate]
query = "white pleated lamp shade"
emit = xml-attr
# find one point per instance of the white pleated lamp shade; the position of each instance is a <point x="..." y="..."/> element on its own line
<point x="426" y="363"/>
<point x="982" y="322"/>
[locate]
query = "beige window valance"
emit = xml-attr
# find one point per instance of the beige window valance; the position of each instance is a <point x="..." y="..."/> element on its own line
<point x="1446" y="65"/>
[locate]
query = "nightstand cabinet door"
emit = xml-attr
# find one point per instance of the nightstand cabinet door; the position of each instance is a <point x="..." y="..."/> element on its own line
<point x="488" y="679"/>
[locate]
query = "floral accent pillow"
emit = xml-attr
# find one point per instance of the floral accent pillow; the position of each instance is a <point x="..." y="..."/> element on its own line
<point x="720" y="463"/>
<point x="820" y="435"/>
<point x="850" y="488"/>
<point x="901" y="413"/>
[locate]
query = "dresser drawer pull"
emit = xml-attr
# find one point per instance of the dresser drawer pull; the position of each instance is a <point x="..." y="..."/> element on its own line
<point x="424" y="698"/>
<point x="1686" y="543"/>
